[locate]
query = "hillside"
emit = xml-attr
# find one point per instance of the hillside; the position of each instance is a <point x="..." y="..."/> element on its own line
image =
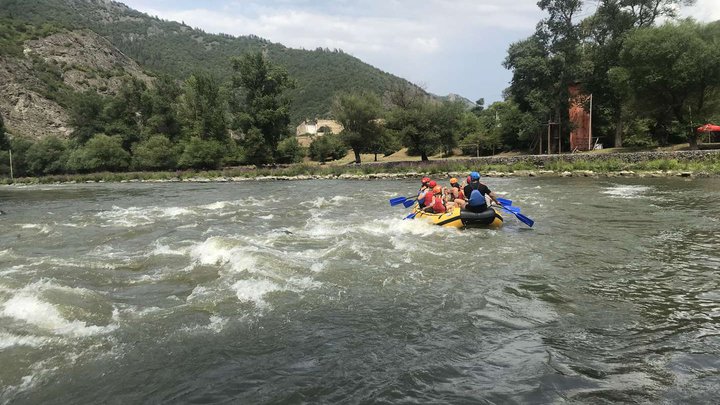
<point x="39" y="77"/>
<point x="178" y="50"/>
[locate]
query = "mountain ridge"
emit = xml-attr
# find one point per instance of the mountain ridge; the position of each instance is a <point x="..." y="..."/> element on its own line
<point x="169" y="47"/>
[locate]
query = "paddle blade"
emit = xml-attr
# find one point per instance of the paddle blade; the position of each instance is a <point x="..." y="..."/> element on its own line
<point x="504" y="201"/>
<point x="525" y="220"/>
<point x="411" y="216"/>
<point x="409" y="203"/>
<point x="397" y="201"/>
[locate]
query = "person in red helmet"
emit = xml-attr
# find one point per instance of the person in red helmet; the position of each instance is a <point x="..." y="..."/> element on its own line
<point x="424" y="188"/>
<point x="436" y="202"/>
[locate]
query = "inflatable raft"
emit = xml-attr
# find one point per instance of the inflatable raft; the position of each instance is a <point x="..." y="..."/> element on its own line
<point x="459" y="218"/>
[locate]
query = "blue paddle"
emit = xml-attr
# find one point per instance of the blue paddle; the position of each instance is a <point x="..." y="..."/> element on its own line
<point x="409" y="202"/>
<point x="504" y="201"/>
<point x="411" y="216"/>
<point x="398" y="200"/>
<point x="522" y="218"/>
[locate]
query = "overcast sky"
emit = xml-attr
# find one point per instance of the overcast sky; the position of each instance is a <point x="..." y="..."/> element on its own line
<point x="446" y="46"/>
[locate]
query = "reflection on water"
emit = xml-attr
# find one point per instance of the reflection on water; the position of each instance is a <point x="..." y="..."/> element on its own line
<point x="318" y="291"/>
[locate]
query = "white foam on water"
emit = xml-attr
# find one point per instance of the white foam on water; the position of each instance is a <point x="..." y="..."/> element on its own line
<point x="627" y="191"/>
<point x="138" y="216"/>
<point x="46" y="316"/>
<point x="164" y="250"/>
<point x="322" y="202"/>
<point x="254" y="290"/>
<point x="221" y="251"/>
<point x="27" y="306"/>
<point x="10" y="340"/>
<point x="43" y="229"/>
<point x="271" y="216"/>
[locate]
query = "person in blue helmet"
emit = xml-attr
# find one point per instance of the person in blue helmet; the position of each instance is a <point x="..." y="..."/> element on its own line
<point x="475" y="193"/>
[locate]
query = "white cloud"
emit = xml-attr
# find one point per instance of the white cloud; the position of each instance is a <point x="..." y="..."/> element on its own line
<point x="704" y="10"/>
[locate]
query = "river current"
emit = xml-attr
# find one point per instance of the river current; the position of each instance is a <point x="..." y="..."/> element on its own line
<point x="319" y="292"/>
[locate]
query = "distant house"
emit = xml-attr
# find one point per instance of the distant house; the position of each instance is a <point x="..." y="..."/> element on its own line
<point x="308" y="130"/>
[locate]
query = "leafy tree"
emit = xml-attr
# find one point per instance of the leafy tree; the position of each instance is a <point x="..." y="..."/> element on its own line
<point x="86" y="115"/>
<point x="411" y="119"/>
<point x="668" y="73"/>
<point x="202" y="154"/>
<point x="264" y="106"/>
<point x="290" y="151"/>
<point x="358" y="113"/>
<point x="607" y="28"/>
<point x="19" y="147"/>
<point x="202" y="108"/>
<point x="162" y="101"/>
<point x="446" y="121"/>
<point x="47" y="156"/>
<point x="326" y="147"/>
<point x="100" y="153"/>
<point x="125" y="114"/>
<point x="155" y="153"/>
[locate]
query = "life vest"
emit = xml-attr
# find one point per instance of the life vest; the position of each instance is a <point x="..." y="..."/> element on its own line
<point x="428" y="198"/>
<point x="438" y="205"/>
<point x="476" y="198"/>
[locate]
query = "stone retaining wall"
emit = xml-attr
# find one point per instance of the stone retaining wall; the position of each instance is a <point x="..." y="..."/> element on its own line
<point x="542" y="160"/>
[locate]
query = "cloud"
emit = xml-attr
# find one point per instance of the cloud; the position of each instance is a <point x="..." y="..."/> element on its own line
<point x="422" y="41"/>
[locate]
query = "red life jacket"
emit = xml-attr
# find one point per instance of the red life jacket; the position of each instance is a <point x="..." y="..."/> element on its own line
<point x="438" y="207"/>
<point x="428" y="198"/>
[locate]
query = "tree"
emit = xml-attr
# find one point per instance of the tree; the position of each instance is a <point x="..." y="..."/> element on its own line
<point x="202" y="109"/>
<point x="201" y="154"/>
<point x="47" y="156"/>
<point x="326" y="147"/>
<point x="162" y="101"/>
<point x="264" y="106"/>
<point x="100" y="153"/>
<point x="4" y="141"/>
<point x="359" y="114"/>
<point x="606" y="30"/>
<point x="669" y="75"/>
<point x="86" y="115"/>
<point x="446" y="122"/>
<point x="411" y="119"/>
<point x="155" y="153"/>
<point x="290" y="151"/>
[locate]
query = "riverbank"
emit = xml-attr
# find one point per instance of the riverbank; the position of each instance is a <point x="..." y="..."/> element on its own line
<point x="639" y="164"/>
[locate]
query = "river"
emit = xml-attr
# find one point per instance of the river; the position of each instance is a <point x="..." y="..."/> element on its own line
<point x="319" y="292"/>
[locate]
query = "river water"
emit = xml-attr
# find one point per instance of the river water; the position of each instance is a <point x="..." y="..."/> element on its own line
<point x="319" y="292"/>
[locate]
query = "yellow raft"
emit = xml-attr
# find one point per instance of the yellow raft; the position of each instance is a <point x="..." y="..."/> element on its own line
<point x="459" y="218"/>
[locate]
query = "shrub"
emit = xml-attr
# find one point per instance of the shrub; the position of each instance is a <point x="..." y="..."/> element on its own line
<point x="100" y="153"/>
<point x="327" y="147"/>
<point x="200" y="154"/>
<point x="155" y="153"/>
<point x="47" y="156"/>
<point x="290" y="151"/>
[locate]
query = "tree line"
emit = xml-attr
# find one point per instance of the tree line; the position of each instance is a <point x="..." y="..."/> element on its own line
<point x="651" y="84"/>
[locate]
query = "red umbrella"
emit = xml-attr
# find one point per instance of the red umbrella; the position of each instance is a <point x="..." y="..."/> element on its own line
<point x="709" y="128"/>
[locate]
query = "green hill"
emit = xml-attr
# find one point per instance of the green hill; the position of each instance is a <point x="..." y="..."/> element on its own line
<point x="178" y="50"/>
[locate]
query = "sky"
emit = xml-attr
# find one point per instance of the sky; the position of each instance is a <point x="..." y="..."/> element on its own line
<point x="445" y="46"/>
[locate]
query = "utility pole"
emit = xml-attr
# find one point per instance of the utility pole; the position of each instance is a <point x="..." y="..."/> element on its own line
<point x="12" y="178"/>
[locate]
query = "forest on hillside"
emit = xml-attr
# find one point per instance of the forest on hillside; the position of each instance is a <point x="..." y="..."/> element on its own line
<point x="175" y="49"/>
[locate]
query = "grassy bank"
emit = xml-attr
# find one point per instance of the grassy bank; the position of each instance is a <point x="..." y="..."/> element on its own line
<point x="710" y="166"/>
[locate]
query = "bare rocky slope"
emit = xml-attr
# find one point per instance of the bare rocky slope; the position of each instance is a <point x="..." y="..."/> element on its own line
<point x="77" y="60"/>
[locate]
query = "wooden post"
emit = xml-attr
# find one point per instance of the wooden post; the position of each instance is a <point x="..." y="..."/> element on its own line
<point x="548" y="142"/>
<point x="12" y="178"/>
